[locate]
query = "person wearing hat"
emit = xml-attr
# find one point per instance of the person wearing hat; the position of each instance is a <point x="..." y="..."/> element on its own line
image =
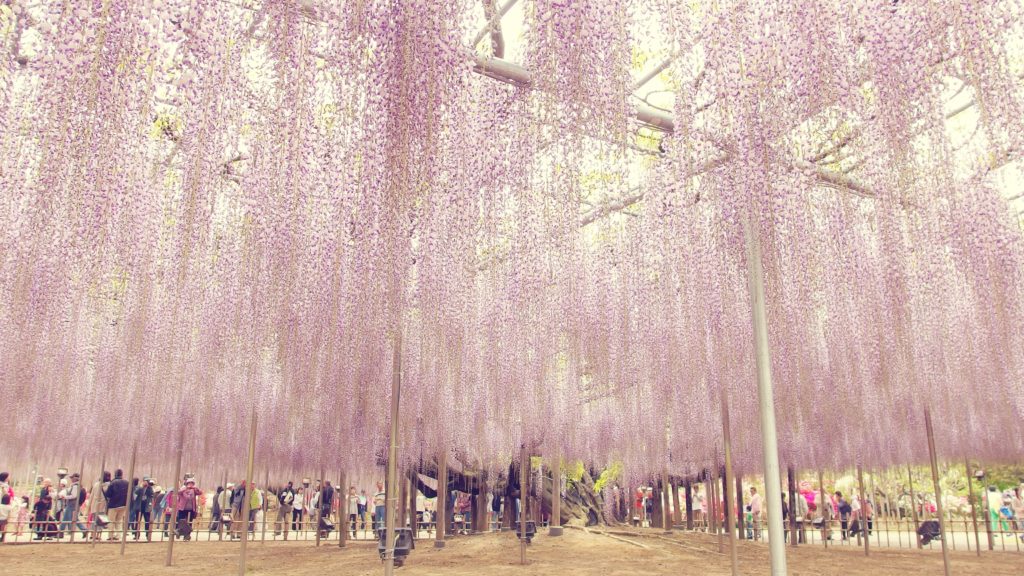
<point x="70" y="497"/>
<point x="187" y="504"/>
<point x="142" y="507"/>
<point x="158" y="506"/>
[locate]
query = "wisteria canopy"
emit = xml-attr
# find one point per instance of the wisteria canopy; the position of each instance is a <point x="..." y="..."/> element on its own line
<point x="210" y="207"/>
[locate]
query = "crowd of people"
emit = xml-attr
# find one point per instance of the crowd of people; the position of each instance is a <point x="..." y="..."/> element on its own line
<point x="848" y="514"/>
<point x="140" y="507"/>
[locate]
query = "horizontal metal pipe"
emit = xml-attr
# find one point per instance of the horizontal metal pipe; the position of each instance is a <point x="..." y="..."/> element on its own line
<point x="512" y="73"/>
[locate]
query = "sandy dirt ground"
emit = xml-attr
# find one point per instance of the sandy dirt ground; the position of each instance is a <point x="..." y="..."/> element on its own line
<point x="577" y="553"/>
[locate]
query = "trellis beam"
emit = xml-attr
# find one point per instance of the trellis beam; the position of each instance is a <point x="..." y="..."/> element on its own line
<point x="512" y="73"/>
<point x="493" y="23"/>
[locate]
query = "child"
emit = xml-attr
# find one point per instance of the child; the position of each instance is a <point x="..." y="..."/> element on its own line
<point x="22" y="519"/>
<point x="5" y="512"/>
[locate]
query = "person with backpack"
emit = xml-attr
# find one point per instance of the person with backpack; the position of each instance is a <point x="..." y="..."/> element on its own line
<point x="70" y="499"/>
<point x="285" y="501"/>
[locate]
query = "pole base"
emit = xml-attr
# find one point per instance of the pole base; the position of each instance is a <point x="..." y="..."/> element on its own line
<point x="554" y="531"/>
<point x="439" y="543"/>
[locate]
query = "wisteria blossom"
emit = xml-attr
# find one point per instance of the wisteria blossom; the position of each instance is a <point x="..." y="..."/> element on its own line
<point x="211" y="208"/>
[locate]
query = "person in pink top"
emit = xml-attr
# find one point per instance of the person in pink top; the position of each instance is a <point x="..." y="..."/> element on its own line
<point x="187" y="503"/>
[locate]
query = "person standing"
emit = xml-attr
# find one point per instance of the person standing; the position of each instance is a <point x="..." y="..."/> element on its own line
<point x="98" y="502"/>
<point x="379" y="503"/>
<point x="58" y="506"/>
<point x="327" y="500"/>
<point x="1017" y="504"/>
<point x="6" y="511"/>
<point x="238" y="523"/>
<point x="170" y="511"/>
<point x="117" y="502"/>
<point x="215" y="511"/>
<point x="72" y="504"/>
<point x="868" y="513"/>
<point x="142" y="507"/>
<point x="187" y="503"/>
<point x="353" y="508"/>
<point x="697" y="500"/>
<point x="298" y="508"/>
<point x="756" y="510"/>
<point x="362" y="511"/>
<point x="255" y="506"/>
<point x="159" y="501"/>
<point x="285" y="500"/>
<point x="5" y="488"/>
<point x="785" y="518"/>
<point x="845" y="511"/>
<point x="41" y="512"/>
<point x="800" y="511"/>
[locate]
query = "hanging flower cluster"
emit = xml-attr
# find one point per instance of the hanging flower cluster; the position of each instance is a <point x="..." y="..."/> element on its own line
<point x="209" y="209"/>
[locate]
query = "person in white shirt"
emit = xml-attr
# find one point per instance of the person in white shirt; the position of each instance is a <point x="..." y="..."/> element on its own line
<point x="800" y="512"/>
<point x="697" y="501"/>
<point x="353" y="508"/>
<point x="6" y="511"/>
<point x="756" y="509"/>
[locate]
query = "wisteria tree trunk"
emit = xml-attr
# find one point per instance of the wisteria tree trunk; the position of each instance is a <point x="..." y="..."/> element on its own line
<point x="581" y="505"/>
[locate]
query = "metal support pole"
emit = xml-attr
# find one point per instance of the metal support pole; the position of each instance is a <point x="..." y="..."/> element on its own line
<point x="391" y="487"/>
<point x="248" y="493"/>
<point x="666" y="498"/>
<point x="524" y="477"/>
<point x="716" y="488"/>
<point x="78" y="511"/>
<point x="128" y="499"/>
<point x="92" y="528"/>
<point x="173" y="486"/>
<point x="729" y="496"/>
<point x="320" y="505"/>
<point x="688" y="496"/>
<point x="791" y="482"/>
<point x="556" y="497"/>
<point x="974" y="506"/>
<point x="938" y="489"/>
<point x="412" y="503"/>
<point x="913" y="507"/>
<point x="766" y="400"/>
<point x="824" y="508"/>
<point x="266" y="506"/>
<point x="343" y="519"/>
<point x="440" y="518"/>
<point x="739" y="507"/>
<point x="863" y="511"/>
